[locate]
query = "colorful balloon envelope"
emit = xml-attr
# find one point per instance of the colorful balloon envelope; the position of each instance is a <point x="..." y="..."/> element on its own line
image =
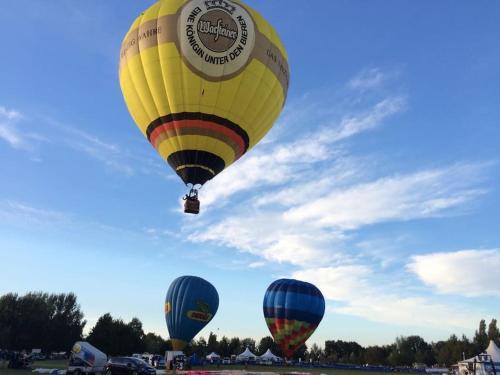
<point x="190" y="305"/>
<point x="292" y="309"/>
<point x="204" y="81"/>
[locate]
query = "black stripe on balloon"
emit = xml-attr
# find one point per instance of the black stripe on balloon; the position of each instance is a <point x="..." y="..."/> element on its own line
<point x="199" y="116"/>
<point x="289" y="314"/>
<point x="285" y="285"/>
<point x="196" y="175"/>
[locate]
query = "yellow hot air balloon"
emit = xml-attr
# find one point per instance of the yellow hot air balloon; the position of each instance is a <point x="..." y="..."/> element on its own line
<point x="204" y="81"/>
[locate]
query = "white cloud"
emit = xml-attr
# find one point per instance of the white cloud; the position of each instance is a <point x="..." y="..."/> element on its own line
<point x="272" y="165"/>
<point x="304" y="198"/>
<point x="367" y="79"/>
<point x="469" y="273"/>
<point x="15" y="210"/>
<point x="110" y="154"/>
<point x="8" y="129"/>
<point x="308" y="209"/>
<point x="9" y="114"/>
<point x="412" y="196"/>
<point x="352" y="125"/>
<point x="264" y="235"/>
<point x="357" y="292"/>
<point x="257" y="264"/>
<point x="296" y="231"/>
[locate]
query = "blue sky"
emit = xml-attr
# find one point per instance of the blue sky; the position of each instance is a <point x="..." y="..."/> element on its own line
<point x="379" y="183"/>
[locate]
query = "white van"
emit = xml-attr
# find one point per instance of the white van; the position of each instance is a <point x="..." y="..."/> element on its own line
<point x="86" y="359"/>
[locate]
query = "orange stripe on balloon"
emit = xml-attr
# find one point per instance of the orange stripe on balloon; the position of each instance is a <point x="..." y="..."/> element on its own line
<point x="198" y="124"/>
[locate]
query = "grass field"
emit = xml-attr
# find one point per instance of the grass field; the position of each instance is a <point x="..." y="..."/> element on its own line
<point x="252" y="369"/>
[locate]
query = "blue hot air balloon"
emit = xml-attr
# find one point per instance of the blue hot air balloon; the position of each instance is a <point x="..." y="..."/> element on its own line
<point x="190" y="304"/>
<point x="292" y="309"/>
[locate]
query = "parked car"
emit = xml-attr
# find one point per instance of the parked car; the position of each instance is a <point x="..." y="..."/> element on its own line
<point x="128" y="366"/>
<point x="58" y="355"/>
<point x="226" y="361"/>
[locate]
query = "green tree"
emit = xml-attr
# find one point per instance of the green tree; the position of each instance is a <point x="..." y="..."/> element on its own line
<point x="481" y="337"/>
<point x="411" y="349"/>
<point x="235" y="346"/>
<point x="212" y="344"/>
<point x="114" y="337"/>
<point x="248" y="343"/>
<point x="155" y="344"/>
<point x="343" y="351"/>
<point x="493" y="332"/>
<point x="453" y="350"/>
<point x="301" y="353"/>
<point x="376" y="355"/>
<point x="315" y="353"/>
<point x="200" y="347"/>
<point x="40" y="320"/>
<point x="66" y="322"/>
<point x="266" y="343"/>
<point x="224" y="348"/>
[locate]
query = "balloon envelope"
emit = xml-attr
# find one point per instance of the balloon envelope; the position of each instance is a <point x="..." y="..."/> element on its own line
<point x="190" y="305"/>
<point x="204" y="82"/>
<point x="292" y="309"/>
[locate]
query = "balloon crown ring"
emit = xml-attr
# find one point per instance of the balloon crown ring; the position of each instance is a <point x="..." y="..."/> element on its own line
<point x="220" y="4"/>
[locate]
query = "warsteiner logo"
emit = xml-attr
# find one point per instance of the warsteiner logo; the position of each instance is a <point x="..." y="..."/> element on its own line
<point x="216" y="37"/>
<point x="217" y="31"/>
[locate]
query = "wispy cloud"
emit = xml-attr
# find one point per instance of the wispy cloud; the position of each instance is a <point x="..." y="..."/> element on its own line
<point x="367" y="79"/>
<point x="110" y="154"/>
<point x="54" y="133"/>
<point x="265" y="235"/>
<point x="355" y="290"/>
<point x="312" y="229"/>
<point x="284" y="162"/>
<point x="9" y="114"/>
<point x="470" y="273"/>
<point x="8" y="128"/>
<point x="15" y="210"/>
<point x="304" y="201"/>
<point x="418" y="195"/>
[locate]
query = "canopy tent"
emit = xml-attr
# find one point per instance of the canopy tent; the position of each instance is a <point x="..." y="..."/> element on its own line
<point x="269" y="356"/>
<point x="492" y="350"/>
<point x="212" y="355"/>
<point x="246" y="355"/>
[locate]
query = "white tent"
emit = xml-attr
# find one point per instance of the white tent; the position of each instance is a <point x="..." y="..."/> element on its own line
<point x="269" y="356"/>
<point x="213" y="355"/>
<point x="246" y="355"/>
<point x="481" y="363"/>
<point x="492" y="350"/>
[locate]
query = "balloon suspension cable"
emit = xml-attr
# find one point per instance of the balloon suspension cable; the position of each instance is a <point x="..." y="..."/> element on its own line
<point x="191" y="202"/>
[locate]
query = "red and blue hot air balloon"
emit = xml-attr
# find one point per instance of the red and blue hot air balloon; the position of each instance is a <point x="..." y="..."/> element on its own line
<point x="190" y="305"/>
<point x="292" y="309"/>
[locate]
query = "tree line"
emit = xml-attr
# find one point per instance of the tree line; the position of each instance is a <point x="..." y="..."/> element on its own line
<point x="54" y="322"/>
<point x="40" y="320"/>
